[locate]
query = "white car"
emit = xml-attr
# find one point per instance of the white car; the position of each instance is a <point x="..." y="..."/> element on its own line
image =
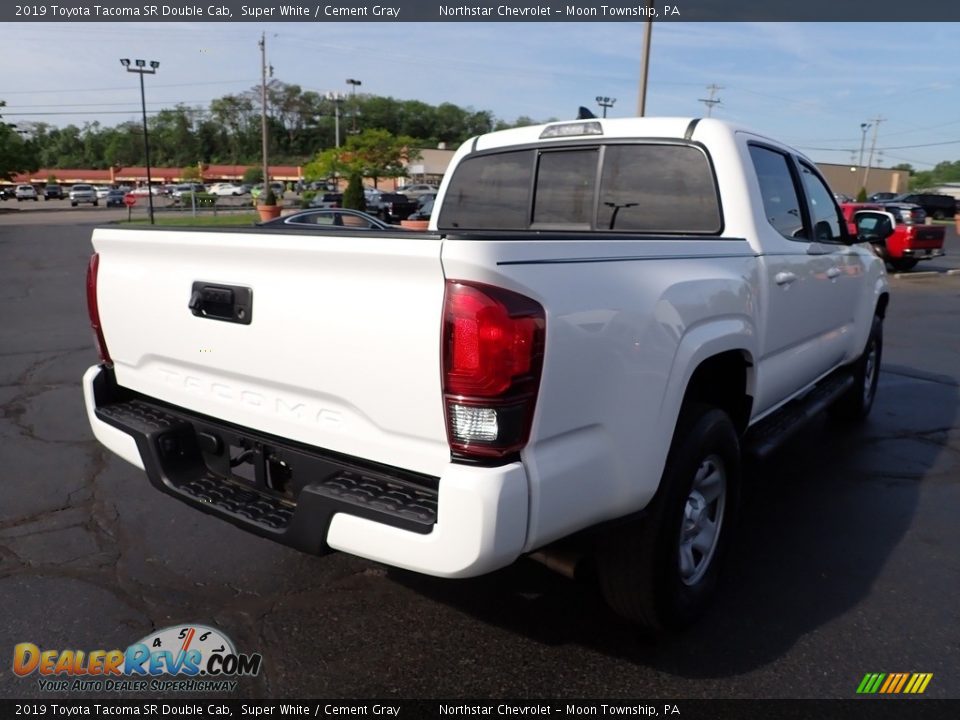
<point x="102" y="191"/>
<point x="26" y="192"/>
<point x="415" y="190"/>
<point x="83" y="193"/>
<point x="227" y="189"/>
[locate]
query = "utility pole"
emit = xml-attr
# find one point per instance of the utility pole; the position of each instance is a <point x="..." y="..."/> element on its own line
<point x="873" y="146"/>
<point x="263" y="110"/>
<point x="710" y="102"/>
<point x="645" y="67"/>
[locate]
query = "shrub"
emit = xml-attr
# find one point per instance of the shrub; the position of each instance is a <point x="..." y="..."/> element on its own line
<point x="353" y="196"/>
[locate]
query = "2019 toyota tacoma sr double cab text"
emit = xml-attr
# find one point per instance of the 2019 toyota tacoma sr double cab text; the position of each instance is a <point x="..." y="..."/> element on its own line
<point x="604" y="318"/>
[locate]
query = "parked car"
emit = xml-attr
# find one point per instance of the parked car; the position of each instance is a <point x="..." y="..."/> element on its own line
<point x="424" y="211"/>
<point x="372" y="197"/>
<point x="227" y="189"/>
<point x="416" y="190"/>
<point x="395" y="207"/>
<point x="7" y="193"/>
<point x="102" y="191"/>
<point x="115" y="197"/>
<point x="26" y="192"/>
<point x="880" y="196"/>
<point x="143" y="191"/>
<point x="328" y="217"/>
<point x="83" y="193"/>
<point x="327" y="200"/>
<point x="936" y="206"/>
<point x="52" y="191"/>
<point x="910" y="241"/>
<point x="182" y="188"/>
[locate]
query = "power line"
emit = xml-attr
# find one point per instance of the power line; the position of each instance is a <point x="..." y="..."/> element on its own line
<point x="5" y="93"/>
<point x="712" y="88"/>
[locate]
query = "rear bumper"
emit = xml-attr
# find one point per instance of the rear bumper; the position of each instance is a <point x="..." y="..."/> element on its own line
<point x="923" y="253"/>
<point x="467" y="522"/>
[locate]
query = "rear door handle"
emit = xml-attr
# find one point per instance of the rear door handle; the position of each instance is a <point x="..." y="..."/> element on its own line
<point x="834" y="272"/>
<point x="784" y="278"/>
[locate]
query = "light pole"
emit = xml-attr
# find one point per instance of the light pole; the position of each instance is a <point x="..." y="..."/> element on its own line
<point x="605" y="102"/>
<point x="336" y="98"/>
<point x="863" y="139"/>
<point x="353" y="100"/>
<point x="140" y="67"/>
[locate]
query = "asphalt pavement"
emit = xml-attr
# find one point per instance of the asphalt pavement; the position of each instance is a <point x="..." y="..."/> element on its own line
<point x="845" y="561"/>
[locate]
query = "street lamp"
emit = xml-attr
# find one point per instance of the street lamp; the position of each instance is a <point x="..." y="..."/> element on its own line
<point x="140" y="67"/>
<point x="336" y="98"/>
<point x="353" y="100"/>
<point x="605" y="102"/>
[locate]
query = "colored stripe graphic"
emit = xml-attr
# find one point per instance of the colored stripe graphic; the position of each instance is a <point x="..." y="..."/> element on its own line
<point x="894" y="683"/>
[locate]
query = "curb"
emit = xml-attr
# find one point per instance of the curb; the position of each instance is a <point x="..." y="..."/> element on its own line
<point x="917" y="275"/>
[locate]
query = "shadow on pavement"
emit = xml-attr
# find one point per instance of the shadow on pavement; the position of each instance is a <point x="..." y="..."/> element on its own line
<point x="818" y="523"/>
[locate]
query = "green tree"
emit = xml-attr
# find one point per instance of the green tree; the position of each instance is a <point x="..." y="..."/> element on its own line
<point x="252" y="176"/>
<point x="353" y="196"/>
<point x="373" y="154"/>
<point x="17" y="155"/>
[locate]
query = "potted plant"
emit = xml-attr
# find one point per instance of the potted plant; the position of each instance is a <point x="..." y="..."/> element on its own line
<point x="268" y="207"/>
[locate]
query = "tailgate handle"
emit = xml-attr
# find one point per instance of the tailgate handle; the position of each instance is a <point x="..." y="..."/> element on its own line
<point x="214" y="301"/>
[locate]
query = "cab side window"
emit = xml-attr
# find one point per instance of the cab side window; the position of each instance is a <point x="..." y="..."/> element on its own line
<point x="781" y="203"/>
<point x="824" y="213"/>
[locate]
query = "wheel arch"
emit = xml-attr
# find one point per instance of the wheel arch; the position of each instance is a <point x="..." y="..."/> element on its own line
<point x="714" y="365"/>
<point x="722" y="381"/>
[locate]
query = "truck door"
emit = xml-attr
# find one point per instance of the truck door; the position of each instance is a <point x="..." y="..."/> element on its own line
<point x="802" y="263"/>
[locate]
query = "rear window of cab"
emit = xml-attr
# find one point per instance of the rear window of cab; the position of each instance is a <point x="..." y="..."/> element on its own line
<point x="654" y="187"/>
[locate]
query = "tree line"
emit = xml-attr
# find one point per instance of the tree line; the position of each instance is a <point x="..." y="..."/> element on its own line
<point x="301" y="124"/>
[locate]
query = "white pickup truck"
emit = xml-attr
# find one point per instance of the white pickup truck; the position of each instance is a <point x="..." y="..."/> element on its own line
<point x="604" y="318"/>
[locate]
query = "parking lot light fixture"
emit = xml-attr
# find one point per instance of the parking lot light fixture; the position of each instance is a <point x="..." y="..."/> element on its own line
<point x="141" y="69"/>
<point x="353" y="100"/>
<point x="605" y="102"/>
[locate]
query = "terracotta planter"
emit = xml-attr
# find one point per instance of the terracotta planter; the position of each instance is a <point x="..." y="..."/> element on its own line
<point x="269" y="212"/>
<point x="415" y="224"/>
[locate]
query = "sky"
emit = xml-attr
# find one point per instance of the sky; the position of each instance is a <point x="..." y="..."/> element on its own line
<point x="811" y="85"/>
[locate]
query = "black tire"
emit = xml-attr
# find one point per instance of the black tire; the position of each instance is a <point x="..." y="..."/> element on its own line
<point x="903" y="264"/>
<point x="640" y="564"/>
<point x="855" y="404"/>
<point x="938" y="215"/>
<point x="96" y="202"/>
<point x="73" y="204"/>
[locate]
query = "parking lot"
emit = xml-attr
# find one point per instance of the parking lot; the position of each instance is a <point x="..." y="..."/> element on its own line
<point x="845" y="562"/>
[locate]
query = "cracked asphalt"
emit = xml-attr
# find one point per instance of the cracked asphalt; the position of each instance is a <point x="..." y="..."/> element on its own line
<point x="845" y="562"/>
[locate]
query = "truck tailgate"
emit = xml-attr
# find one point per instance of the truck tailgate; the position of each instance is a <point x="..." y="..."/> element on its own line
<point x="927" y="237"/>
<point x="341" y="348"/>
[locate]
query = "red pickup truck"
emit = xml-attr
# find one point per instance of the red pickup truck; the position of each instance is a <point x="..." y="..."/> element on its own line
<point x="912" y="240"/>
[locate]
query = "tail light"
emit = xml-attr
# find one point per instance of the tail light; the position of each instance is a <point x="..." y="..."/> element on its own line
<point x="492" y="354"/>
<point x="93" y="309"/>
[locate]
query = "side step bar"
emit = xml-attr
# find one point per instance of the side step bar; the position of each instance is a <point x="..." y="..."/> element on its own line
<point x="774" y="430"/>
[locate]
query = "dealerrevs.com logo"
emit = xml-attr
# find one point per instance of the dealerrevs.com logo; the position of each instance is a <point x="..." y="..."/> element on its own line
<point x="180" y="658"/>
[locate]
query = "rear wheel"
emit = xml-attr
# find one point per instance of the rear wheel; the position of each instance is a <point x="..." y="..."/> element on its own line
<point x="938" y="215"/>
<point x="660" y="571"/>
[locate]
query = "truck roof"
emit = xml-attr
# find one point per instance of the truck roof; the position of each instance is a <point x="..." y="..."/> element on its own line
<point x="660" y="127"/>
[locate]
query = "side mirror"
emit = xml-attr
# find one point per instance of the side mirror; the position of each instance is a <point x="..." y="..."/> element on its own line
<point x="874" y="226"/>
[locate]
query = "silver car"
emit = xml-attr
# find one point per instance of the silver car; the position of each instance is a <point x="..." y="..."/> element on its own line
<point x="83" y="194"/>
